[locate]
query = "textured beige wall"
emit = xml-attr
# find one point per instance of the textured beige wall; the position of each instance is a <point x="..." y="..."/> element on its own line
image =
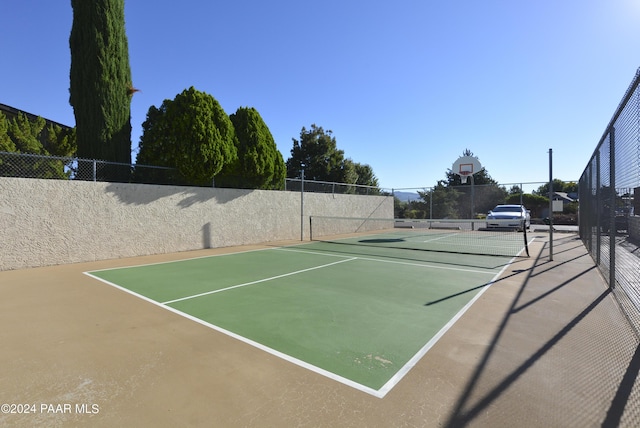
<point x="49" y="222"/>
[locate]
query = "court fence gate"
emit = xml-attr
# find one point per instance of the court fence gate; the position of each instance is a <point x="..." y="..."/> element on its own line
<point x="609" y="191"/>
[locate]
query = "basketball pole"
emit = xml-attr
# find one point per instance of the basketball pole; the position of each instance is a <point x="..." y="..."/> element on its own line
<point x="473" y="203"/>
<point x="466" y="166"/>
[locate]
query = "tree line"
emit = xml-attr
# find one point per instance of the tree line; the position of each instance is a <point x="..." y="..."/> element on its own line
<point x="190" y="134"/>
<point x="194" y="135"/>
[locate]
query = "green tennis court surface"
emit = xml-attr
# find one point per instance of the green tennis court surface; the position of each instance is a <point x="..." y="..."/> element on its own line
<point x="344" y="311"/>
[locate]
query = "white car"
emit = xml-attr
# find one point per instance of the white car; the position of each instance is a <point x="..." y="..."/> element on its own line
<point x="518" y="213"/>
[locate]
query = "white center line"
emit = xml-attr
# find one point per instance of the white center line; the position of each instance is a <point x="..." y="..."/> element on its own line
<point x="382" y="259"/>
<point x="440" y="237"/>
<point x="258" y="281"/>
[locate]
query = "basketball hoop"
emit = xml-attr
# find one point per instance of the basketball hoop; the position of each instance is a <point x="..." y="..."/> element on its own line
<point x="464" y="171"/>
<point x="465" y="167"/>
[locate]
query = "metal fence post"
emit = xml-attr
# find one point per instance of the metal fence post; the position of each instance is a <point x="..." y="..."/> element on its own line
<point x="521" y="195"/>
<point x="612" y="207"/>
<point x="302" y="205"/>
<point x="550" y="204"/>
<point x="431" y="204"/>
<point x="599" y="210"/>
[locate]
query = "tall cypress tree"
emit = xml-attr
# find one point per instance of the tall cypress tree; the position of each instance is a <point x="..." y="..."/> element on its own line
<point x="100" y="80"/>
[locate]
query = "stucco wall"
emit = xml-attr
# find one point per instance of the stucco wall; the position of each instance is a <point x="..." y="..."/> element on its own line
<point x="49" y="222"/>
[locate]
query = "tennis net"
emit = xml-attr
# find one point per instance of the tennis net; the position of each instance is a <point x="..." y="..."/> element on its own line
<point x="498" y="238"/>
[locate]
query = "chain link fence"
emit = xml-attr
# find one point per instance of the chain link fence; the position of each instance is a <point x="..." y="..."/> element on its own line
<point x="473" y="201"/>
<point x="610" y="203"/>
<point x="297" y="185"/>
<point x="27" y="165"/>
<point x="464" y="202"/>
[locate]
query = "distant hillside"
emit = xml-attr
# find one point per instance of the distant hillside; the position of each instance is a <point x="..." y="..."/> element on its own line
<point x="407" y="196"/>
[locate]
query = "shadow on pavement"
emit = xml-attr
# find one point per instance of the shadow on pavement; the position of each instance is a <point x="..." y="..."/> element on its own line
<point x="610" y="394"/>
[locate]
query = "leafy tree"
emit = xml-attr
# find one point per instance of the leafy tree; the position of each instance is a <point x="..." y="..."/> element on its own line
<point x="515" y="190"/>
<point x="411" y="209"/>
<point x="399" y="208"/>
<point x="25" y="132"/>
<point x="534" y="203"/>
<point x="6" y="145"/>
<point x="348" y="173"/>
<point x="317" y="151"/>
<point x="279" y="173"/>
<point x="558" y="186"/>
<point x="100" y="80"/>
<point x="443" y="199"/>
<point x="259" y="164"/>
<point x="153" y="152"/>
<point x="58" y="141"/>
<point x="26" y="136"/>
<point x="570" y="187"/>
<point x="191" y="133"/>
<point x="366" y="177"/>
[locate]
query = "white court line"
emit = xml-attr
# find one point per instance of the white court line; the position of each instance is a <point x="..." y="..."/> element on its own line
<point x="441" y="237"/>
<point x="421" y="353"/>
<point x="384" y="260"/>
<point x="289" y="358"/>
<point x="257" y="282"/>
<point x="466" y="244"/>
<point x="482" y="245"/>
<point x="181" y="260"/>
<point x="250" y="342"/>
<point x="391" y="383"/>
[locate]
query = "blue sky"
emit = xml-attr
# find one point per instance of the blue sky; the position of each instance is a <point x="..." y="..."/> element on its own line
<point x="405" y="86"/>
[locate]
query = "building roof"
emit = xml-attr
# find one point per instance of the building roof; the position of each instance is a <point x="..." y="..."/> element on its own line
<point x="562" y="196"/>
<point x="12" y="112"/>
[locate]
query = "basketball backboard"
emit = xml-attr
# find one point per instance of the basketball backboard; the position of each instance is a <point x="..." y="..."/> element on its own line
<point x="465" y="166"/>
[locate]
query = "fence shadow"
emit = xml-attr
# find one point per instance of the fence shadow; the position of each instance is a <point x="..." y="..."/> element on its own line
<point x="483" y="389"/>
<point x="141" y="194"/>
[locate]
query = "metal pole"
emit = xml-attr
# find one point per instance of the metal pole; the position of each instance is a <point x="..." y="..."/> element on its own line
<point x="473" y="207"/>
<point x="612" y="208"/>
<point x="473" y="204"/>
<point x="302" y="205"/>
<point x="521" y="195"/>
<point x="599" y="208"/>
<point x="431" y="204"/>
<point x="550" y="204"/>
